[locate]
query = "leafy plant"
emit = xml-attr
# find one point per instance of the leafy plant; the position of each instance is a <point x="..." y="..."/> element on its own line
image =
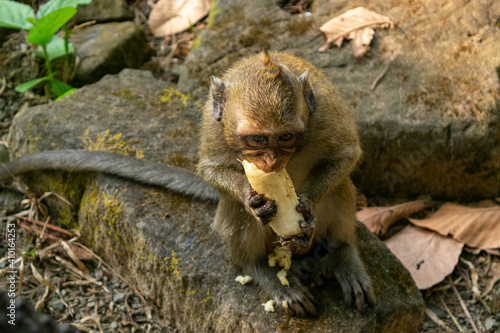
<point x="42" y="29"/>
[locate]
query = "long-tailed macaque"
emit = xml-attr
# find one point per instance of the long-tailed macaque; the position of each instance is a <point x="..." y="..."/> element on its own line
<point x="277" y="111"/>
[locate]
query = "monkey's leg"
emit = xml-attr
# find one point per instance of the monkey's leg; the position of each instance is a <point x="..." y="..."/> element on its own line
<point x="247" y="242"/>
<point x="339" y="257"/>
<point x="342" y="262"/>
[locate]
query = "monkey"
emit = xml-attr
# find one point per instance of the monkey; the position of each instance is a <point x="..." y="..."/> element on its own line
<point x="276" y="111"/>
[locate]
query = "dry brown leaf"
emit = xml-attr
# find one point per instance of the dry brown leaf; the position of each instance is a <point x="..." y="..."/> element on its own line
<point x="428" y="256"/>
<point x="346" y="25"/>
<point x="379" y="219"/>
<point x="477" y="227"/>
<point x="169" y="17"/>
<point x="360" y="41"/>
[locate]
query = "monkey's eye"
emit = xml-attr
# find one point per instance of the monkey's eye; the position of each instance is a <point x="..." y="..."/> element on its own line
<point x="258" y="139"/>
<point x="285" y="137"/>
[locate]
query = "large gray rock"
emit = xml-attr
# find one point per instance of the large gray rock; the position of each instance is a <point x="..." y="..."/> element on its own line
<point x="107" y="49"/>
<point x="104" y="11"/>
<point x="431" y="125"/>
<point x="164" y="243"/>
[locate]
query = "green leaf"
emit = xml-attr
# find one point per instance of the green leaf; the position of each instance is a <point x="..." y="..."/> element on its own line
<point x="44" y="28"/>
<point x="67" y="93"/>
<point x="23" y="87"/>
<point x="60" y="88"/>
<point x="53" y="5"/>
<point x="14" y="15"/>
<point x="55" y="48"/>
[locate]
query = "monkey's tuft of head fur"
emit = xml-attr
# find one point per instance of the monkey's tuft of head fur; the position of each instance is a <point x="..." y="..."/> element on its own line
<point x="261" y="95"/>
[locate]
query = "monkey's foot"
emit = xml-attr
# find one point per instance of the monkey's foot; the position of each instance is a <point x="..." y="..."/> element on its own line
<point x="343" y="263"/>
<point x="298" y="299"/>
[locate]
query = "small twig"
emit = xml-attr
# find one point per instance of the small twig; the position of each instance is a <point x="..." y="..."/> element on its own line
<point x="4" y="84"/>
<point x="455" y="321"/>
<point x="6" y="269"/>
<point x="40" y="304"/>
<point x="448" y="286"/>
<point x="42" y="233"/>
<point x="57" y="195"/>
<point x="82" y="327"/>
<point x="493" y="281"/>
<point x="486" y="306"/>
<point x="488" y="264"/>
<point x="66" y="304"/>
<point x="41" y="279"/>
<point x="21" y="273"/>
<point x="466" y="311"/>
<point x="44" y="252"/>
<point x="83" y="25"/>
<point x="76" y="283"/>
<point x="432" y="316"/>
<point x="381" y="75"/>
<point x="474" y="279"/>
<point x="97" y="318"/>
<point x="78" y="272"/>
<point x="131" y="312"/>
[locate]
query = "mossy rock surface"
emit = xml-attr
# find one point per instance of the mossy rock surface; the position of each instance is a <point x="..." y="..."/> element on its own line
<point x="164" y="243"/>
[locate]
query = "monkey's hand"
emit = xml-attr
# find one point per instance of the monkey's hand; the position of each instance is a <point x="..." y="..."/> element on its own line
<point x="256" y="204"/>
<point x="301" y="243"/>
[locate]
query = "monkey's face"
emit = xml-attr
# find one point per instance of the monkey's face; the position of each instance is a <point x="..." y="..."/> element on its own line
<point x="268" y="152"/>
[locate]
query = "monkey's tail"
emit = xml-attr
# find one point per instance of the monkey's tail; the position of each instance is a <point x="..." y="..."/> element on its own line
<point x="174" y="179"/>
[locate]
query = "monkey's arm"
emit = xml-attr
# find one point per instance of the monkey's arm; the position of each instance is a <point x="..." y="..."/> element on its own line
<point x="174" y="179"/>
<point x="224" y="178"/>
<point x="234" y="182"/>
<point x="328" y="173"/>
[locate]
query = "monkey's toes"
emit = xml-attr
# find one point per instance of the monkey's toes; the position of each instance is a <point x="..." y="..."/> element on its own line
<point x="299" y="300"/>
<point x="358" y="292"/>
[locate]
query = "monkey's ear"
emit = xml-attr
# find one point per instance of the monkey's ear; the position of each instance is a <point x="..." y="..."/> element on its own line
<point x="308" y="93"/>
<point x="218" y="91"/>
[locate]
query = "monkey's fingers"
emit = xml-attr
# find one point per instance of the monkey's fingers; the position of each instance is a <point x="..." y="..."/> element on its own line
<point x="266" y="212"/>
<point x="305" y="208"/>
<point x="357" y="291"/>
<point x="299" y="300"/>
<point x="298" y="244"/>
<point x="256" y="200"/>
<point x="308" y="227"/>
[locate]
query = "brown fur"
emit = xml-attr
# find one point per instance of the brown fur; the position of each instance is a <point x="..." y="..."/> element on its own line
<point x="264" y="95"/>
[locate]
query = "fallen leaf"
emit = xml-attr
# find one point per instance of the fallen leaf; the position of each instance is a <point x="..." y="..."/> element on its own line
<point x="343" y="26"/>
<point x="360" y="41"/>
<point x="379" y="219"/>
<point x="477" y="227"/>
<point x="169" y="17"/>
<point x="428" y="256"/>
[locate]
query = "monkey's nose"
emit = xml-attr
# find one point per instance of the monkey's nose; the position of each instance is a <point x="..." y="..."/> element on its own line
<point x="272" y="164"/>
